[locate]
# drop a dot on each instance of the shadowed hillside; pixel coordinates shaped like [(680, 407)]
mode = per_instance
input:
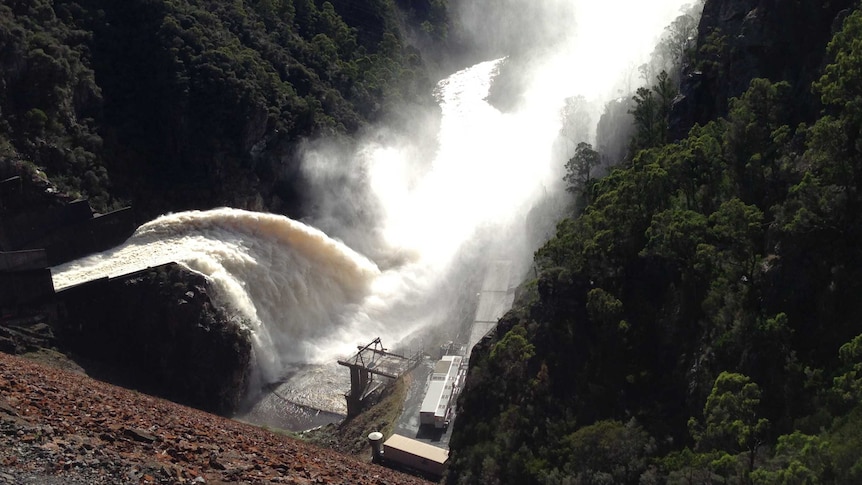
[(192, 104)]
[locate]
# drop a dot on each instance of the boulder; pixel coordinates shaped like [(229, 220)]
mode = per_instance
[(160, 332)]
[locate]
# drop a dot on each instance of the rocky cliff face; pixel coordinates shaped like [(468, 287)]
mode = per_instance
[(739, 40), (159, 331)]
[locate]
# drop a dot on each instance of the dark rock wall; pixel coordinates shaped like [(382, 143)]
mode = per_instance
[(158, 331), (740, 40), (613, 132)]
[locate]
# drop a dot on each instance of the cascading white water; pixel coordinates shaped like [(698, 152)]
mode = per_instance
[(309, 297), (291, 282)]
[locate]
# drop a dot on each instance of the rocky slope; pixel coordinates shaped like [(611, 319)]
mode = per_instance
[(60, 426)]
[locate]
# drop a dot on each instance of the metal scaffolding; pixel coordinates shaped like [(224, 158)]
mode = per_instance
[(373, 359)]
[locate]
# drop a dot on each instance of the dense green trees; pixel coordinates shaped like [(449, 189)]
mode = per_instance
[(731, 424), (579, 171), (707, 296), (195, 103), (651, 114), (49, 99)]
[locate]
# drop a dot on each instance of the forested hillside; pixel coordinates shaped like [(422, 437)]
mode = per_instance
[(699, 320), (695, 320), (170, 105)]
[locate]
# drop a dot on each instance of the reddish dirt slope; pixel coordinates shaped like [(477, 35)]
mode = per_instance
[(59, 426)]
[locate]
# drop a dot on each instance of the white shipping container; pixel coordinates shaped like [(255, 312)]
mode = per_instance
[(415, 454)]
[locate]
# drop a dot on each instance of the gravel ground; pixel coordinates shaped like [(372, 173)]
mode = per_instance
[(58, 426)]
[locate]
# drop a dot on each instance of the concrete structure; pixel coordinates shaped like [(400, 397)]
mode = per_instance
[(436, 408), (24, 278), (66, 232), (28, 230), (32, 241), (415, 455), (22, 289), (372, 360), (495, 299)]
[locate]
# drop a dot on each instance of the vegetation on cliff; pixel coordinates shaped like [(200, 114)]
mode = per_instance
[(190, 104), (698, 322)]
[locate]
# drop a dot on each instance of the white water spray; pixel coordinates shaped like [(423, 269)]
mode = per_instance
[(308, 297), (291, 283)]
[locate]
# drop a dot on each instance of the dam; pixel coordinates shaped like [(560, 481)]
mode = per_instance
[(307, 298), (440, 206)]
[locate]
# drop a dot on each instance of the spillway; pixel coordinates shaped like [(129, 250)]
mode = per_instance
[(309, 298), (292, 283)]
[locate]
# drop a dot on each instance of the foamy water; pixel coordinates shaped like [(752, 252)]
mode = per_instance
[(292, 283)]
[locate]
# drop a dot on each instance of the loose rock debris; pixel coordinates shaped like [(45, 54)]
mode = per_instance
[(62, 427)]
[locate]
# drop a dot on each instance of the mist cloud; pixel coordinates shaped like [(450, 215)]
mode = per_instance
[(425, 199)]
